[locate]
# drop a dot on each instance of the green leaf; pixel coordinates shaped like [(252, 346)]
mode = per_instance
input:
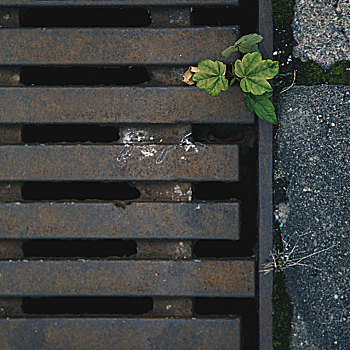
[(247, 43), (232, 81), (249, 102), (261, 106), (229, 51), (254, 72), (211, 77)]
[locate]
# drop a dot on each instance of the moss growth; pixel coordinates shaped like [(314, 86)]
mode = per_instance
[(282, 12), (339, 73), (310, 73), (307, 73), (283, 312)]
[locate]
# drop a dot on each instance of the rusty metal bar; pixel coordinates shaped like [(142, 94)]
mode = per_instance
[(114, 46), (265, 209), (129, 162), (117, 2), (121, 334), (121, 105), (205, 278), (106, 220)]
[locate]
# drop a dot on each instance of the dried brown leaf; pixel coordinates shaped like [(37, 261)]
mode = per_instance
[(187, 77)]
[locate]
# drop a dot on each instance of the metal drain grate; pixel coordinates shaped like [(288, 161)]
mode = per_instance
[(135, 211)]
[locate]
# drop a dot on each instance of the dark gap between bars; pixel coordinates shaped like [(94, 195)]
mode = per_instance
[(84, 17), (79, 191), (84, 76), (78, 133), (246, 16), (223, 133), (87, 305), (215, 15), (79, 248)]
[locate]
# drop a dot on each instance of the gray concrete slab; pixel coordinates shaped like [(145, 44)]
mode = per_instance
[(322, 31), (313, 164)]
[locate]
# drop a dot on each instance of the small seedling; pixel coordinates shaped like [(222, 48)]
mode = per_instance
[(252, 72)]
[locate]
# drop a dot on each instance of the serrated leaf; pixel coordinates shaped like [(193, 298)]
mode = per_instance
[(211, 77), (247, 43), (254, 72), (261, 106)]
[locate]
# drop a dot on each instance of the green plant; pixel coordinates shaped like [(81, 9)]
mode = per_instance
[(252, 72)]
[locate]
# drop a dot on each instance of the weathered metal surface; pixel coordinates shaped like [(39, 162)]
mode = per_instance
[(121, 105), (114, 46), (131, 163), (265, 208), (117, 2), (233, 278), (106, 220), (121, 334)]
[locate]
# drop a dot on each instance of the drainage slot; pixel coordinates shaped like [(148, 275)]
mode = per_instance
[(217, 249), (215, 16), (84, 76), (87, 305), (56, 248), (215, 190), (84, 17), (69, 133), (79, 191), (223, 133)]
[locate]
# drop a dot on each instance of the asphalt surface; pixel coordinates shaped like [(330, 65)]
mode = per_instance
[(312, 170), (322, 31)]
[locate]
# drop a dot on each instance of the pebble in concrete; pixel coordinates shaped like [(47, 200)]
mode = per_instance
[(322, 31), (313, 163)]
